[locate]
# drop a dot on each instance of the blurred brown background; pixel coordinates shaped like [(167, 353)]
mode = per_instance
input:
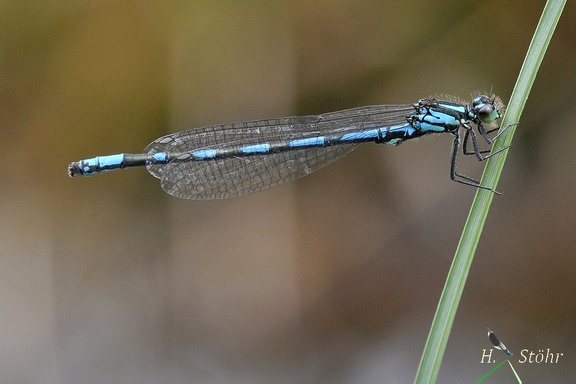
[(331, 279)]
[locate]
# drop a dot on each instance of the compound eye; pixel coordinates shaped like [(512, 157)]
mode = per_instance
[(481, 100), (485, 110)]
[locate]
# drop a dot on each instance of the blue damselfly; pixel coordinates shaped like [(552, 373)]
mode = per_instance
[(228, 160)]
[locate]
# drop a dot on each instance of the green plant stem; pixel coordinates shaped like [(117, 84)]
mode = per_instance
[(450, 298)]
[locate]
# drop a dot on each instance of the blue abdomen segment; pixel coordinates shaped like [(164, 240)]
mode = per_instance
[(104, 163), (309, 142), (204, 154), (101, 164), (361, 136), (255, 149)]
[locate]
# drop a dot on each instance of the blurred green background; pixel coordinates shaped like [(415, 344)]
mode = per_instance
[(331, 279)]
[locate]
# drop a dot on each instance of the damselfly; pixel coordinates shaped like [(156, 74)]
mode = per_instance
[(497, 343), (228, 160)]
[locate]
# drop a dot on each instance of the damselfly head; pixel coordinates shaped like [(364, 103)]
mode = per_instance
[(488, 109)]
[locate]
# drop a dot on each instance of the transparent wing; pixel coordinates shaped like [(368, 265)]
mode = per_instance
[(235, 176), (231, 177)]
